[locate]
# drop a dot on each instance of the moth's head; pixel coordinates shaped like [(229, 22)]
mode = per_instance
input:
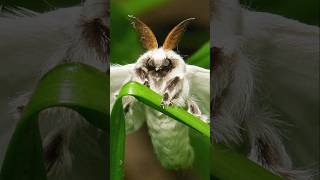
[(160, 60)]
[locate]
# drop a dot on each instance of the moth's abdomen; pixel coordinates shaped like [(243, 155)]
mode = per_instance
[(170, 140)]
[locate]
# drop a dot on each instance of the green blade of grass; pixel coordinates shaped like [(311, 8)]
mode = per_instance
[(117, 122), (226, 164), (77, 86)]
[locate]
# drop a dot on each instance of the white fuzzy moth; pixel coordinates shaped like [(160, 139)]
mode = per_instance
[(262, 61), (164, 71)]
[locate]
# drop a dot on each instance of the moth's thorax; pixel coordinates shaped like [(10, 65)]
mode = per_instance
[(161, 66)]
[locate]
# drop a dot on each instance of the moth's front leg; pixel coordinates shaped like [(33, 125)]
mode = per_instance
[(194, 109), (142, 76), (172, 90)]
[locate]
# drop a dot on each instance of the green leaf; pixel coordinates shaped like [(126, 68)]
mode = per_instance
[(117, 122), (226, 164), (73, 85)]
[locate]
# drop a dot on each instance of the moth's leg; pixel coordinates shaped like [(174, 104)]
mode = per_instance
[(133, 110), (128, 102), (267, 147), (270, 153), (134, 113), (142, 76), (194, 109), (172, 90)]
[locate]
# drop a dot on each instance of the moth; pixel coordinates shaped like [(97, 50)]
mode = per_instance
[(164, 71), (31, 44), (262, 63)]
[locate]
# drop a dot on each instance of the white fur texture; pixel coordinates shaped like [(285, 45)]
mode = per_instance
[(265, 60)]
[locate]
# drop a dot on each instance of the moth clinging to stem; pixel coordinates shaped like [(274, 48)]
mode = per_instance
[(165, 72)]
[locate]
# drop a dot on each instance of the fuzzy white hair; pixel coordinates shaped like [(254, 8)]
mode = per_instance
[(251, 46)]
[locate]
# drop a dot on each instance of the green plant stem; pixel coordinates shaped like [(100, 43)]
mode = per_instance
[(226, 164), (117, 123)]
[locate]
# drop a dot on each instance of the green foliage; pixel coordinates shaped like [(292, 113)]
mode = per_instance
[(152, 99), (225, 163), (306, 11)]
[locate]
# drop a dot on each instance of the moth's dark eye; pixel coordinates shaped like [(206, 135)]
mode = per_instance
[(166, 62), (150, 64)]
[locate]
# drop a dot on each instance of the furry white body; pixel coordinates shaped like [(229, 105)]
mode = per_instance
[(169, 137), (170, 140)]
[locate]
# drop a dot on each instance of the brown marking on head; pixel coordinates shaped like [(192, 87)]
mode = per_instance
[(147, 38), (175, 34)]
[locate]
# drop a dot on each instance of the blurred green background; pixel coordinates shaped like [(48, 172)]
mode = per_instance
[(306, 11)]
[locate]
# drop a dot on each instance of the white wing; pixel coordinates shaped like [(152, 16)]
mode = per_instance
[(199, 80), (119, 75), (289, 52), (290, 55)]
